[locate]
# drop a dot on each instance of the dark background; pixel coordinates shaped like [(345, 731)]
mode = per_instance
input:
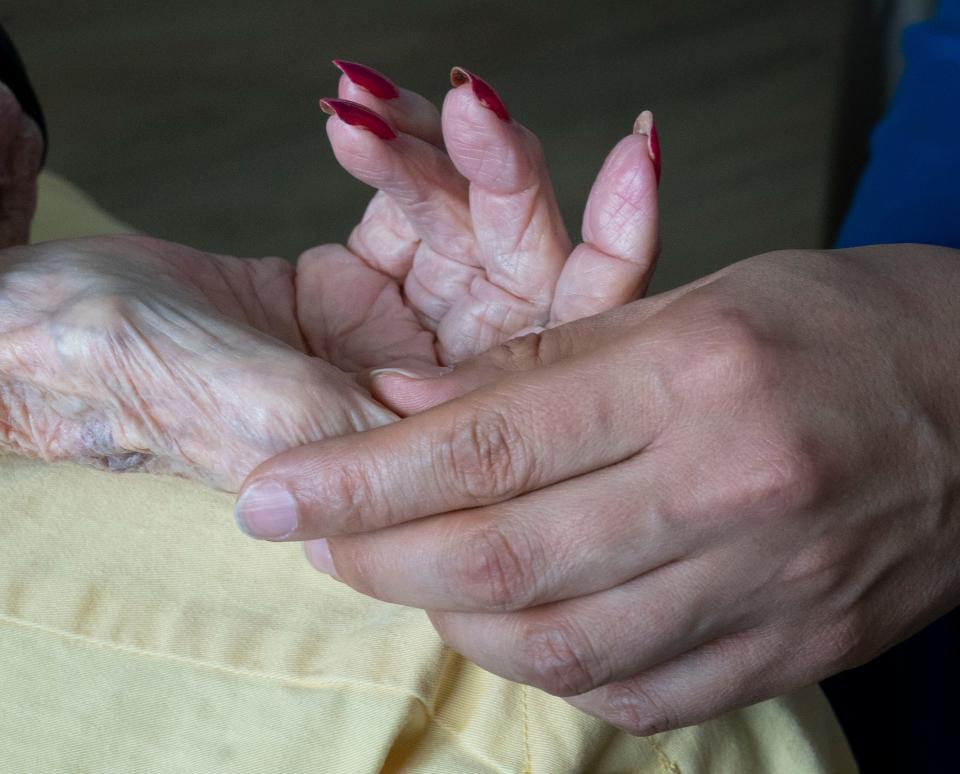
[(198, 121)]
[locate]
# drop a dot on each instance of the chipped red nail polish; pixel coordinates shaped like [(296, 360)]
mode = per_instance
[(367, 78), (482, 90), (357, 115), (644, 125)]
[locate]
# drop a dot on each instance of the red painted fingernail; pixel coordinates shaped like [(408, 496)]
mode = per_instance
[(368, 78), (482, 90), (357, 115), (645, 126)]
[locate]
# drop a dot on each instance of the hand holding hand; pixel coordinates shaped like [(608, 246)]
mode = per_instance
[(692, 503)]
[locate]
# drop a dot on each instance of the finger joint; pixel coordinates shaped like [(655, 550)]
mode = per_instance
[(560, 658), (487, 457), (498, 572)]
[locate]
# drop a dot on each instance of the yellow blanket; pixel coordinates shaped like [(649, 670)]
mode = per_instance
[(140, 631)]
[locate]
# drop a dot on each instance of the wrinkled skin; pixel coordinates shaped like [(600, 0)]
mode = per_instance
[(130, 352), (464, 245), (133, 353)]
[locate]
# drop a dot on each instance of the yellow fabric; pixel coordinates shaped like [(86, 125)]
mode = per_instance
[(64, 212), (140, 631)]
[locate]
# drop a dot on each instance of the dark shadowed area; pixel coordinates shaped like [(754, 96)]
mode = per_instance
[(198, 122)]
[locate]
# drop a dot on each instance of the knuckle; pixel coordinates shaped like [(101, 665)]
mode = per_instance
[(845, 644), (101, 332), (347, 494), (559, 658), (789, 476), (639, 710), (738, 347), (316, 254), (487, 457), (111, 313), (113, 306), (497, 572), (728, 355), (519, 354), (819, 570)]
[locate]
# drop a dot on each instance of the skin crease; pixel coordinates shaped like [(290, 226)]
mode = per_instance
[(679, 507), (131, 353)]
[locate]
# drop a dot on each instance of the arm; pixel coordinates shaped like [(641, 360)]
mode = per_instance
[(22, 146)]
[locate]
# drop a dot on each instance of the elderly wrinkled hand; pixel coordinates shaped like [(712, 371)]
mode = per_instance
[(688, 504), (464, 246), (135, 353)]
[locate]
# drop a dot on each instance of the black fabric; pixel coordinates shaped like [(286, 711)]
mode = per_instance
[(14, 76), (901, 711)]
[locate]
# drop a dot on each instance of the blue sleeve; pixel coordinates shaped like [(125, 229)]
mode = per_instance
[(910, 190)]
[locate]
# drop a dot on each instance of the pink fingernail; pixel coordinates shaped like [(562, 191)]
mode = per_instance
[(267, 510), (482, 90), (367, 78), (645, 126), (356, 114)]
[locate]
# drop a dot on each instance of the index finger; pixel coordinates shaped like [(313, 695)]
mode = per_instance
[(527, 431)]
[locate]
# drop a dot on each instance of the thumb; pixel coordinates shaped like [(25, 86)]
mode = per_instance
[(409, 391)]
